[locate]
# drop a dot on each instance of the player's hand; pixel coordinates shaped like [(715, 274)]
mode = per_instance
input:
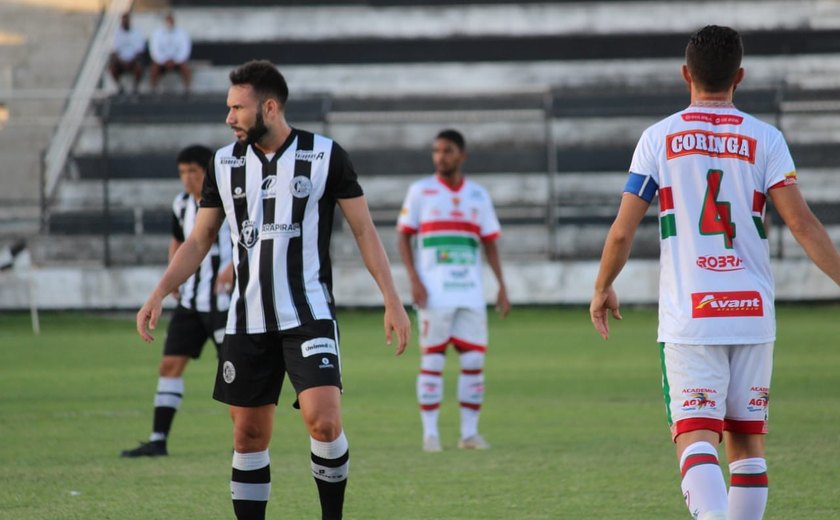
[(224, 281), (396, 321), (419, 294), (602, 301), (502, 303), (147, 317)]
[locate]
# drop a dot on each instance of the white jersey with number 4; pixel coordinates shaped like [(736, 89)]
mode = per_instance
[(450, 225), (713, 168)]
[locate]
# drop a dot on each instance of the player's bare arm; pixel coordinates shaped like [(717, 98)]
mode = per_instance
[(376, 260), (615, 255), (183, 264), (807, 230), (418, 291), (491, 251)]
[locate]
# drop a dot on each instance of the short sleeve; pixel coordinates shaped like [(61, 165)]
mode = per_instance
[(342, 181), (780, 170), (644, 171), (177, 211), (409, 220), (210, 197), (490, 227), (177, 230)]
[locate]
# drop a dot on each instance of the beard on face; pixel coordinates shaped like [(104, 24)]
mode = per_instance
[(256, 132)]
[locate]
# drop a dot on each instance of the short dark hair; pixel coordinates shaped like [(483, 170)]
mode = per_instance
[(453, 135), (264, 77), (713, 56), (197, 154)]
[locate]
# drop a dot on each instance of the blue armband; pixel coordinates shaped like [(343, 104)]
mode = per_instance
[(643, 186)]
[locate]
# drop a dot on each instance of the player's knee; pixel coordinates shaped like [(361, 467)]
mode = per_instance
[(325, 429), (250, 437), (433, 362), (472, 360)]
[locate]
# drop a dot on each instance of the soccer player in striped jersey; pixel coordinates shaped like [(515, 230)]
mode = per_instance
[(450, 217), (713, 167), (277, 188), (203, 302)]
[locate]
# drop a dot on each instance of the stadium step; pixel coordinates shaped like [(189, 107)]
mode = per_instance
[(416, 161), (579, 47)]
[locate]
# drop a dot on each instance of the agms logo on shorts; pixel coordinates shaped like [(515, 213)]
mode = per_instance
[(698, 398), (726, 304)]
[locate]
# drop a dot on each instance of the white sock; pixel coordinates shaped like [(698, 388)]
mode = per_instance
[(703, 486), (430, 392), (471, 391), (748, 489)]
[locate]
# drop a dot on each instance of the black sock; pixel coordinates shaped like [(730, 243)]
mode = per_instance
[(330, 464), (162, 422), (250, 485)]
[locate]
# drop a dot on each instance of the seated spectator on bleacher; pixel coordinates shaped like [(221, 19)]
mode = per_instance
[(170, 48), (127, 52)]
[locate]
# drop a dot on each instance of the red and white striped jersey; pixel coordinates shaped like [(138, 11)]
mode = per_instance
[(450, 224), (713, 168)]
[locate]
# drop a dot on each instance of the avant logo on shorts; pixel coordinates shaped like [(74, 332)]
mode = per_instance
[(726, 304), (318, 347), (228, 372)]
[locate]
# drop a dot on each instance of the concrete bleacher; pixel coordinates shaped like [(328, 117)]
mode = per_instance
[(533, 85)]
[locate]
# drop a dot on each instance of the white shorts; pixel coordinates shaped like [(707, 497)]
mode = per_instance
[(465, 328), (717, 387)]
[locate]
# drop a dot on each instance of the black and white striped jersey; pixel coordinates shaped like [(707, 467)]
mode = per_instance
[(280, 209), (197, 291)]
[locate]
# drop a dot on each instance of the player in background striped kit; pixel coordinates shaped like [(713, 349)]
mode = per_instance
[(451, 218), (203, 302), (713, 167)]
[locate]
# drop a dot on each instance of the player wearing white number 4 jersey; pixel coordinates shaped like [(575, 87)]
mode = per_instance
[(713, 167), (450, 218)]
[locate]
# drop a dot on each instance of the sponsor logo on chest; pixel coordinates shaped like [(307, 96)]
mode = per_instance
[(726, 304), (720, 263), (701, 142)]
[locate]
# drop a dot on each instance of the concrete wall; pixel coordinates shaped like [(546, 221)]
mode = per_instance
[(531, 283)]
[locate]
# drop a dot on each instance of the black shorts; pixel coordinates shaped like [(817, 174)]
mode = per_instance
[(189, 330), (251, 366)]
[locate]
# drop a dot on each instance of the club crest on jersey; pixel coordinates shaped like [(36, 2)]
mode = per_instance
[(269, 187), (233, 162), (300, 187), (248, 235), (228, 372)]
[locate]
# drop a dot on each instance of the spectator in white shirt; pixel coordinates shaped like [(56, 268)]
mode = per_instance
[(170, 48), (127, 52)]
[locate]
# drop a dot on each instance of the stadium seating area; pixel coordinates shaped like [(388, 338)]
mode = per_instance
[(551, 96)]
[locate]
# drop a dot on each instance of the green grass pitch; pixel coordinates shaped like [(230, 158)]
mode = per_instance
[(577, 426)]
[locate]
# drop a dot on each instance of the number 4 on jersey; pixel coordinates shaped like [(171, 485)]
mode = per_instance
[(716, 218)]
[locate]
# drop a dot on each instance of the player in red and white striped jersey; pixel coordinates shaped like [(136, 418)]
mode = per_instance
[(451, 218), (713, 167)]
